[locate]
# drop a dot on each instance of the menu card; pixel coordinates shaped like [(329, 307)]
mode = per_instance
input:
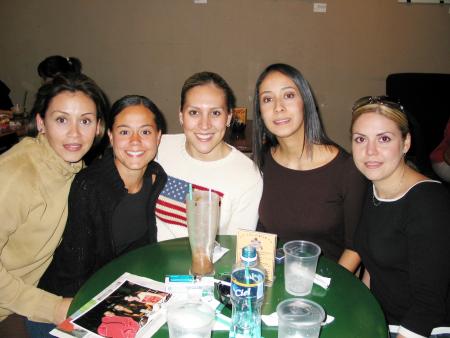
[(265, 245)]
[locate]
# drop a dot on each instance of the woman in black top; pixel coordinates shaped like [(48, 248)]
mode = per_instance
[(312, 189), (112, 202), (403, 236)]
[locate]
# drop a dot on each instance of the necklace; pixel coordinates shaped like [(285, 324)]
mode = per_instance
[(376, 202)]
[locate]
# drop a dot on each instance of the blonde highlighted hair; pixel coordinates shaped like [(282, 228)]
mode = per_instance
[(383, 106)]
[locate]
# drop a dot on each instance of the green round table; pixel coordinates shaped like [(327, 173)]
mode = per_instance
[(357, 313)]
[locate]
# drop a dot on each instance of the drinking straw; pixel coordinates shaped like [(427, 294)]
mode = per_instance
[(247, 280), (209, 210), (190, 191)]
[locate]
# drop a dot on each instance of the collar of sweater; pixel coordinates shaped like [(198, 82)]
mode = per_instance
[(55, 162), (107, 172)]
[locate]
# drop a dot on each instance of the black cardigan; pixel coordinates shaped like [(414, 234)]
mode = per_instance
[(87, 241)]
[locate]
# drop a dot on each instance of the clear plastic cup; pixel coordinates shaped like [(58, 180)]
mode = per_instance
[(203, 216), (300, 318), (190, 319), (300, 263)]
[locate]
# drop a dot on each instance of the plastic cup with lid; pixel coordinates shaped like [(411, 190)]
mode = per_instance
[(299, 318)]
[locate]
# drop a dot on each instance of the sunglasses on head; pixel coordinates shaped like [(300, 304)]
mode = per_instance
[(382, 100)]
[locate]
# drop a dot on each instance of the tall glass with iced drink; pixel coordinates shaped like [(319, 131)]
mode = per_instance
[(203, 215)]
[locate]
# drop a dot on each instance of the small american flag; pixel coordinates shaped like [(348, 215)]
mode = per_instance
[(171, 204)]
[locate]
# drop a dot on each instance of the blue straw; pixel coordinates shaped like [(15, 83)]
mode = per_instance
[(247, 280)]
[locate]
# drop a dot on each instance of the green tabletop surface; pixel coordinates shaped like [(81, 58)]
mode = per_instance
[(357, 314)]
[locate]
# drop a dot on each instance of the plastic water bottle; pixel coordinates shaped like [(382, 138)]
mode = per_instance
[(247, 295)]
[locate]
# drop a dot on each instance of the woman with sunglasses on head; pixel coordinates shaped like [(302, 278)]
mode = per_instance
[(36, 175), (404, 229), (111, 202), (312, 190), (201, 158)]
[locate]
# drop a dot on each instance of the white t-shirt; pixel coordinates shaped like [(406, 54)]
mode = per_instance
[(235, 178)]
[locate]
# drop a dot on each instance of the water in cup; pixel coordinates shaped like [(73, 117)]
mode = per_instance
[(300, 266), (299, 318), (190, 319), (298, 279)]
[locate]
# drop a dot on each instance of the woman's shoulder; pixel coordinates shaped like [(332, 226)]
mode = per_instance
[(25, 147), (427, 203), (26, 155), (335, 159), (344, 161), (428, 191), (171, 150), (241, 162), (172, 140), (154, 169), (428, 198), (100, 170)]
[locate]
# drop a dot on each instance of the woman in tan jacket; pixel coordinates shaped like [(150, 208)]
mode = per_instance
[(35, 176)]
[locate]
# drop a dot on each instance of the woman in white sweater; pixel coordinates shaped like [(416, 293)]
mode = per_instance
[(201, 157)]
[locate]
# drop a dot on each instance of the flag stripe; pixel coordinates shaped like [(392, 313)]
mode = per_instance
[(165, 202), (171, 204), (165, 213)]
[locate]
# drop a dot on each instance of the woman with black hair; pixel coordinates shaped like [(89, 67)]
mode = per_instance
[(36, 175), (312, 189), (56, 65)]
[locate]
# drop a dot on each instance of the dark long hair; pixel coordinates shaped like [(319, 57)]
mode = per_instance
[(263, 139)]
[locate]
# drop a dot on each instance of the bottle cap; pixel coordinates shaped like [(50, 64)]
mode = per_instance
[(248, 253)]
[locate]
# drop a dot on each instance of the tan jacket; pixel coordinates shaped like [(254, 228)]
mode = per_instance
[(34, 185)]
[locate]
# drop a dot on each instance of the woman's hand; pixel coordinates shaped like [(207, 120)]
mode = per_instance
[(61, 310)]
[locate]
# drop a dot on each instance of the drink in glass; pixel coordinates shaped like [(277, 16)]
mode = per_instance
[(300, 264), (190, 319), (203, 215)]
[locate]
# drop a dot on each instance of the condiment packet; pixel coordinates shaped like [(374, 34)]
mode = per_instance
[(218, 252), (322, 281), (272, 319)]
